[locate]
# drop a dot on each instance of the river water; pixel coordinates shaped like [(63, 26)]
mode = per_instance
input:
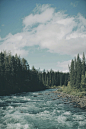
[(39, 110)]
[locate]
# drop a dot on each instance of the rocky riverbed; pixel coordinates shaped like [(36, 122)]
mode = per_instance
[(74, 100)]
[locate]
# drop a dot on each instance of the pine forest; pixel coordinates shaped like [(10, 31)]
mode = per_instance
[(16, 75)]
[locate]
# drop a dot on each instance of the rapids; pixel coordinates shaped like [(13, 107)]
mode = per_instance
[(39, 110)]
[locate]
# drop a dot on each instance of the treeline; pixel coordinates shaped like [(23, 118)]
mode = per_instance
[(51, 78), (78, 73), (16, 76)]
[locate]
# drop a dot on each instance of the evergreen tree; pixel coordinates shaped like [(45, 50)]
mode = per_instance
[(47, 78), (83, 65), (78, 77), (72, 72), (83, 81), (51, 80), (2, 69), (58, 78), (15, 76), (66, 79), (75, 71), (44, 77), (61, 79)]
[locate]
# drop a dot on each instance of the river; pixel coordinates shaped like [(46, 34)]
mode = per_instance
[(39, 110)]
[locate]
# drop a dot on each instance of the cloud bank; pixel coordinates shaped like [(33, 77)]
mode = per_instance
[(56, 31)]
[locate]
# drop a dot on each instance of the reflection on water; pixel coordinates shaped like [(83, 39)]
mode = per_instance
[(39, 110)]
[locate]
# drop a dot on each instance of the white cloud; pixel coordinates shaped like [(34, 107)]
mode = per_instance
[(45, 16), (55, 31), (63, 66), (13, 43)]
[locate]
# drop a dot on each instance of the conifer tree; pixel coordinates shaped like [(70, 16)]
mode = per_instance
[(58, 78), (75, 71), (72, 72), (83, 81), (2, 71), (83, 65), (43, 76), (78, 77), (61, 79)]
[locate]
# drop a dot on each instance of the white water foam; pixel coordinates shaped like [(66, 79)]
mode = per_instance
[(19, 126), (78, 117), (82, 123), (67, 113), (63, 121), (29, 112)]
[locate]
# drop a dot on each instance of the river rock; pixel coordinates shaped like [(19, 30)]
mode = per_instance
[(40, 94), (35, 95), (75, 100)]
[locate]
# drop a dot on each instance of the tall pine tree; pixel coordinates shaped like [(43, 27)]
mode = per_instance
[(78, 77), (83, 65), (72, 72)]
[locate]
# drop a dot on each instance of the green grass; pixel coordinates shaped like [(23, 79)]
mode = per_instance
[(72, 91)]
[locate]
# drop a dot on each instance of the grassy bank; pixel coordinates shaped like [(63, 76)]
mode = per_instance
[(72, 91)]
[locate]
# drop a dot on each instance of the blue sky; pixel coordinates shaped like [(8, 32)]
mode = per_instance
[(48, 33)]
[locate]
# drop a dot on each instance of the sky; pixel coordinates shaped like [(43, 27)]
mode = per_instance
[(47, 33)]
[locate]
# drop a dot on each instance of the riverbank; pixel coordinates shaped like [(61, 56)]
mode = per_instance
[(76, 101)]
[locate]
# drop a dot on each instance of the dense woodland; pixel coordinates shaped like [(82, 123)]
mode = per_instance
[(16, 76), (78, 73)]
